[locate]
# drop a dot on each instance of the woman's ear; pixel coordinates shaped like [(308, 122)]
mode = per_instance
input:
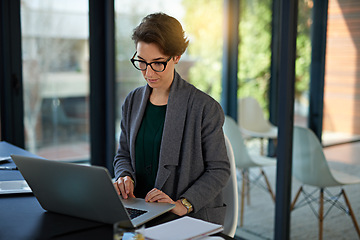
[(176, 59)]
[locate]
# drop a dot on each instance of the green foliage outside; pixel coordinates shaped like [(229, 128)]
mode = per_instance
[(204, 24), (255, 49), (303, 46)]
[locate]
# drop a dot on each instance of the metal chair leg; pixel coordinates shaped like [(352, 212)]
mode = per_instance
[(321, 213)]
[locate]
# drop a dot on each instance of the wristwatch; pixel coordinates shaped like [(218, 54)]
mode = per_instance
[(186, 204)]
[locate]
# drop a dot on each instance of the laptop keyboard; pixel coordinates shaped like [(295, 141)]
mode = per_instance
[(135, 212)]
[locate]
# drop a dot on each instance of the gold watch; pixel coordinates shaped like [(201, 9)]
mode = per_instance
[(186, 204)]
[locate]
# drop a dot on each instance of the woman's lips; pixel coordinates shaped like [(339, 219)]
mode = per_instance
[(152, 80)]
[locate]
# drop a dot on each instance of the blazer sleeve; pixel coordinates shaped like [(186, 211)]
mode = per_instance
[(209, 185), (122, 160)]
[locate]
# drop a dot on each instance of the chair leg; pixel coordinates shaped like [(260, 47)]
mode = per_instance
[(351, 212), (247, 177), (242, 198), (268, 185), (321, 213), (296, 198), (321, 210)]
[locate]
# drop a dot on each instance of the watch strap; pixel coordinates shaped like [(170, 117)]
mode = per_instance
[(187, 204)]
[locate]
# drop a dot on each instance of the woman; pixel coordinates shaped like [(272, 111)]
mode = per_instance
[(171, 146)]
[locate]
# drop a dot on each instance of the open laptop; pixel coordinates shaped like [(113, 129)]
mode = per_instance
[(85, 192)]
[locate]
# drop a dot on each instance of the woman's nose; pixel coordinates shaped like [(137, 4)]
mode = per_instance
[(149, 71)]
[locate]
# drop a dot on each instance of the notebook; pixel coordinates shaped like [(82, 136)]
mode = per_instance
[(84, 191), (174, 230)]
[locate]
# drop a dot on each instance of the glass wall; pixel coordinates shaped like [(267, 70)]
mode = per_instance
[(254, 75), (303, 61), (201, 63), (255, 49), (55, 76), (255, 54)]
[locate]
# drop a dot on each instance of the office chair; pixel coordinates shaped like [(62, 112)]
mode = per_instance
[(253, 123), (244, 161), (311, 168), (231, 195)]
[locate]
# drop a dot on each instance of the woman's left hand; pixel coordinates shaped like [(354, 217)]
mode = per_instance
[(156, 195)]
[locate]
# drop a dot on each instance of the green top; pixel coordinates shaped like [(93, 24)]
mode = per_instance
[(147, 148)]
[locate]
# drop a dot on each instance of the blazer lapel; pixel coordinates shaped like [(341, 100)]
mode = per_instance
[(137, 119), (173, 128)]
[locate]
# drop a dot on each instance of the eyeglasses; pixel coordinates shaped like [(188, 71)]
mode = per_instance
[(156, 66)]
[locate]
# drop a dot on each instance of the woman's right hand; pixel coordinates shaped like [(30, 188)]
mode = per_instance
[(125, 186)]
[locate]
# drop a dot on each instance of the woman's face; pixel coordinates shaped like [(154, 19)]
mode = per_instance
[(150, 52)]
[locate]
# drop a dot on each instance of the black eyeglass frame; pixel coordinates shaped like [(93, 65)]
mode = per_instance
[(149, 64)]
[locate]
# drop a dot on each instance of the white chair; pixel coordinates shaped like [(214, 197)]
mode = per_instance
[(231, 195), (310, 167), (244, 161), (252, 121)]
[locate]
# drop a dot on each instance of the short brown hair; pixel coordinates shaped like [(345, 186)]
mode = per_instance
[(163, 30)]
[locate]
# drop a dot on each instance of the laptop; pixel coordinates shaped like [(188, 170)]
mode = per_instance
[(84, 191)]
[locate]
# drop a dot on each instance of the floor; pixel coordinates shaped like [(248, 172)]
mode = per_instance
[(259, 215)]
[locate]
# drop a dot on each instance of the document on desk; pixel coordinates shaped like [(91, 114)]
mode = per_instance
[(5, 159), (185, 228), (12, 187)]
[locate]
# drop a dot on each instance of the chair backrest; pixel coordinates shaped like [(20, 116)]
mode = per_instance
[(251, 115), (309, 162), (241, 154), (230, 194)]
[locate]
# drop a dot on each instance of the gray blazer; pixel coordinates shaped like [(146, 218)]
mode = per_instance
[(193, 161)]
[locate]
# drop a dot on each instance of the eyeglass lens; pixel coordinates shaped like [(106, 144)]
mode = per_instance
[(156, 66)]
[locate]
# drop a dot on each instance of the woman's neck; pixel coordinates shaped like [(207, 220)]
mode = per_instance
[(159, 97)]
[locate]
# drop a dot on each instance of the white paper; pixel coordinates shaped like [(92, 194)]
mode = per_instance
[(185, 228), (5, 159)]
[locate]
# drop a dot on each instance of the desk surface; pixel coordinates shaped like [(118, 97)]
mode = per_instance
[(22, 217)]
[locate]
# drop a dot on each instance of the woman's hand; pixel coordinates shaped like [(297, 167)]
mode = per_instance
[(125, 186), (156, 195)]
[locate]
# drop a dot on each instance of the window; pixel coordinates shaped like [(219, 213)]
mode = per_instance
[(55, 77)]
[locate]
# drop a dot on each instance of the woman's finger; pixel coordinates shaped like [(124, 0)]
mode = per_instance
[(121, 186), (156, 195), (151, 194), (130, 186), (125, 187)]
